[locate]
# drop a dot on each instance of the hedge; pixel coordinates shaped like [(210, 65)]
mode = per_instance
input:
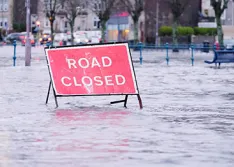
[(186, 31), (205, 31), (183, 31), (165, 31)]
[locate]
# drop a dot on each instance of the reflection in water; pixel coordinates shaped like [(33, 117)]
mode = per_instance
[(91, 119), (89, 115), (4, 149)]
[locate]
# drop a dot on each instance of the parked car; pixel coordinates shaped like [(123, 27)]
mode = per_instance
[(94, 39), (46, 38), (14, 36), (32, 40), (81, 38), (228, 44)]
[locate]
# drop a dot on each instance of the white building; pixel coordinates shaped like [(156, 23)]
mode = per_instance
[(227, 18), (6, 14), (87, 21), (228, 14)]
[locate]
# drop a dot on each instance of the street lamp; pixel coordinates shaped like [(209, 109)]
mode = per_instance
[(232, 12), (38, 29), (157, 24), (28, 42), (38, 23), (118, 27)]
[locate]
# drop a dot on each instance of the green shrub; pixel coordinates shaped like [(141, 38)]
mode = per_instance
[(205, 31), (185, 31), (165, 31), (212, 31), (181, 31)]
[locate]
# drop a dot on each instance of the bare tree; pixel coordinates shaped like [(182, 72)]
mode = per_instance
[(177, 8), (72, 9), (219, 6), (102, 8), (135, 8), (52, 7)]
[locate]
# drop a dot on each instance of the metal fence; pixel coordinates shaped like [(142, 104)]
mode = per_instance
[(168, 48)]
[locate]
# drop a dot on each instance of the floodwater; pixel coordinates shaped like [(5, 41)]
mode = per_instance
[(187, 119)]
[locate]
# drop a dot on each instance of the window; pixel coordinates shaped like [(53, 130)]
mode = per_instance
[(96, 22), (1, 7), (46, 23), (5, 7), (65, 24)]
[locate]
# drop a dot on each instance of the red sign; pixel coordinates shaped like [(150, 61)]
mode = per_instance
[(92, 70)]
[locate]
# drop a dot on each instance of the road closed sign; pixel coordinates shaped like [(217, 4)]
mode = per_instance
[(102, 69)]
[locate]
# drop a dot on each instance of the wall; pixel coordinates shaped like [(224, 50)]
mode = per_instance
[(19, 10), (230, 14), (189, 17), (228, 31)]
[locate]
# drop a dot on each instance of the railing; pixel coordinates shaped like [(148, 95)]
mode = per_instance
[(166, 47), (175, 48)]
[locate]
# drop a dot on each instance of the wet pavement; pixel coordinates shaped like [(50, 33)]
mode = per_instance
[(187, 120)]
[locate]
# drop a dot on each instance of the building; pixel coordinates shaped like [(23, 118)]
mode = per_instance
[(87, 20), (120, 27), (227, 18), (18, 13), (158, 13), (119, 23), (6, 14)]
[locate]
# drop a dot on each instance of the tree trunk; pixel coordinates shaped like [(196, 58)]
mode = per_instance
[(136, 31), (52, 31), (219, 31), (174, 31), (72, 31), (103, 27)]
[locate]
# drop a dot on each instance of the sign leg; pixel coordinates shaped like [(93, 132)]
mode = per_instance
[(121, 101), (140, 101), (55, 98), (48, 94), (125, 101)]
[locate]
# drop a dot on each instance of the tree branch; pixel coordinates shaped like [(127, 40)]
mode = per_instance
[(225, 5)]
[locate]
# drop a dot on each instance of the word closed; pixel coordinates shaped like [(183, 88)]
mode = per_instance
[(92, 70)]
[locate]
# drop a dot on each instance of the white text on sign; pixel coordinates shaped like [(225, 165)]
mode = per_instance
[(85, 63)]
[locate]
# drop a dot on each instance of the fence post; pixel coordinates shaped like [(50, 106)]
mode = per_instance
[(141, 58), (214, 47), (192, 57), (14, 56), (167, 57)]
